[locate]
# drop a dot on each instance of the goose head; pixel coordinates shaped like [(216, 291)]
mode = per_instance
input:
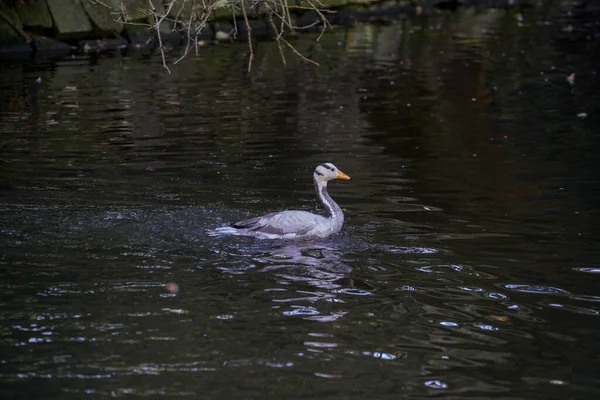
[(327, 172)]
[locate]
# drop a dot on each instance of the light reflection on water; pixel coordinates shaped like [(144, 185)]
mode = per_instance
[(465, 266)]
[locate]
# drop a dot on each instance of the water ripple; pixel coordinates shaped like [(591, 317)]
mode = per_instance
[(589, 270), (537, 289)]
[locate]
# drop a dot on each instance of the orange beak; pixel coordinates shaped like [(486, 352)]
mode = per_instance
[(342, 176)]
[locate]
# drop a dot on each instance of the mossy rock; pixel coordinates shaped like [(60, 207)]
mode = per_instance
[(138, 34), (34, 14), (227, 9), (143, 34), (104, 17), (183, 10), (139, 10), (108, 13), (70, 18), (223, 10)]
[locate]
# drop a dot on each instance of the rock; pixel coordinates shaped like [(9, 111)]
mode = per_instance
[(70, 18), (260, 28), (104, 17), (139, 10), (138, 34), (182, 10), (168, 35), (43, 44), (223, 11), (34, 14), (141, 35), (99, 45)]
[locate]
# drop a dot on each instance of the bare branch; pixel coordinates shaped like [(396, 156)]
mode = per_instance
[(249, 29), (278, 13), (277, 40), (323, 18), (158, 34), (298, 53)]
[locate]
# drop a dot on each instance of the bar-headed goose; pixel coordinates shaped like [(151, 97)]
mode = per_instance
[(297, 224)]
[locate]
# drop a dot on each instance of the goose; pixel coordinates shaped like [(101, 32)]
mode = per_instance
[(292, 224)]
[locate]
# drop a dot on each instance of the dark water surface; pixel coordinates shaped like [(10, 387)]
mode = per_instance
[(468, 266)]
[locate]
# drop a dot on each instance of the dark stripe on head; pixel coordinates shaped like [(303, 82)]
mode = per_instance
[(318, 173), (327, 166)]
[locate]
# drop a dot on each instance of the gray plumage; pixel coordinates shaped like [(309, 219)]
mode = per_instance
[(297, 224)]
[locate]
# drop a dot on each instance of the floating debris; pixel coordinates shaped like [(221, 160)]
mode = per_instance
[(172, 287), (571, 78)]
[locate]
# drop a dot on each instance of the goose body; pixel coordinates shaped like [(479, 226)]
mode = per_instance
[(293, 224)]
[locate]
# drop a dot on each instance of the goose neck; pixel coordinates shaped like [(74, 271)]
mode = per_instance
[(332, 210)]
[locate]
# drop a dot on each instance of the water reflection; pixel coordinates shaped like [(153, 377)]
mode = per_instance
[(297, 267), (316, 265)]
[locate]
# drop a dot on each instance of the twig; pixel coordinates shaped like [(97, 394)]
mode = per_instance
[(273, 11), (189, 36), (235, 28), (325, 20), (323, 10), (202, 24), (124, 10), (179, 13), (298, 53), (283, 20), (157, 28), (251, 57), (277, 40), (307, 26)]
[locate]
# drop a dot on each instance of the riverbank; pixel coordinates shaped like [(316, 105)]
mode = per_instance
[(57, 27)]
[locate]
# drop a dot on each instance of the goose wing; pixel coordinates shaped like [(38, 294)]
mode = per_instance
[(281, 223)]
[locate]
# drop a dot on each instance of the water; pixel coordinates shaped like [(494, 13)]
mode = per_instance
[(467, 267)]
